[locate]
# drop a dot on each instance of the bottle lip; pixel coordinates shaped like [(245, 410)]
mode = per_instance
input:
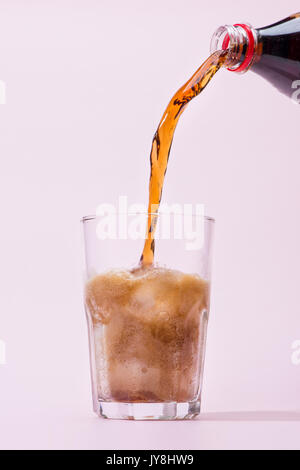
[(250, 49), (233, 38)]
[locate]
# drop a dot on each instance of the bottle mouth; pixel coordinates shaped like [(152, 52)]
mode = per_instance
[(239, 41)]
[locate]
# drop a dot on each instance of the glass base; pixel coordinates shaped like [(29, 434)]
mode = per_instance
[(148, 411)]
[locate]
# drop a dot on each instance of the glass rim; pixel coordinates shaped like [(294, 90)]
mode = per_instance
[(87, 218)]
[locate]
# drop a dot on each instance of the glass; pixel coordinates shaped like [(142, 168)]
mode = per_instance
[(147, 326)]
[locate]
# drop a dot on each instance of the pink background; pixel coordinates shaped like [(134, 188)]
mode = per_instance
[(70, 67)]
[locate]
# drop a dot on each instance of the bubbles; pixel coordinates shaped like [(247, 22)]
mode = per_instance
[(152, 333)]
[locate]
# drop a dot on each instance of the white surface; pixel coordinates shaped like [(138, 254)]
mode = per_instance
[(73, 429)]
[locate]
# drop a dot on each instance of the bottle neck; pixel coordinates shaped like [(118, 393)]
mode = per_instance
[(240, 42)]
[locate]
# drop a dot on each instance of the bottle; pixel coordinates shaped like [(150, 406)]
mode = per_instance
[(272, 52)]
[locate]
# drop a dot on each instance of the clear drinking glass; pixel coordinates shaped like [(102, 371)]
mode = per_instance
[(147, 327)]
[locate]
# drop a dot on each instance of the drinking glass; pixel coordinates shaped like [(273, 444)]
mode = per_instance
[(147, 326)]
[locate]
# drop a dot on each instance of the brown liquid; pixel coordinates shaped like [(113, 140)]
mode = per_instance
[(162, 142), (278, 54), (149, 330)]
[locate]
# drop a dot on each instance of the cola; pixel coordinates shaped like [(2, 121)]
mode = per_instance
[(273, 52)]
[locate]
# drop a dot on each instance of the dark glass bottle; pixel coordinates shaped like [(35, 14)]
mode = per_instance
[(272, 52)]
